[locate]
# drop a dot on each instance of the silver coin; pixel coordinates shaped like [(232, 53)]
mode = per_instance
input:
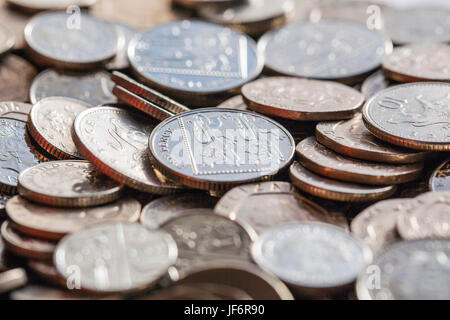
[(327, 50), (215, 149), (12, 279), (62, 40), (440, 179), (410, 270), (236, 102), (7, 39), (116, 257), (374, 84), (94, 88), (124, 35), (311, 255)]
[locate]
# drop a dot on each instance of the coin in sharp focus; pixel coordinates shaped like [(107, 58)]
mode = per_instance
[(269, 204), (351, 138), (53, 223), (311, 257), (15, 153), (410, 270), (124, 35), (412, 115), (161, 210), (236, 102), (302, 99), (252, 148), (12, 279), (115, 141), (197, 61), (68, 183), (16, 75), (254, 17), (94, 88), (25, 246), (102, 254), (336, 190), (326, 162), (7, 39), (419, 62), (54, 40), (14, 109), (418, 25), (374, 84), (34, 6), (316, 50), (440, 178)]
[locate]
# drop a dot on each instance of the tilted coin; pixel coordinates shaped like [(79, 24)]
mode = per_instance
[(199, 3), (56, 39), (33, 5), (15, 153), (411, 115), (316, 50), (94, 87), (50, 124), (12, 279), (17, 110), (336, 190), (115, 141), (16, 75), (374, 84), (269, 204), (161, 210), (54, 223), (47, 272), (409, 270), (7, 39), (351, 138), (311, 257), (419, 62), (236, 102), (68, 183), (440, 179), (124, 35), (15, 22), (216, 149), (301, 99), (325, 162), (116, 257)]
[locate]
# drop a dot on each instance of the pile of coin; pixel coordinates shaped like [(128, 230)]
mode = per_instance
[(263, 150)]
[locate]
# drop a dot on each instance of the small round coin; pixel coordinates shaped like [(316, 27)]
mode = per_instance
[(7, 39), (16, 110), (116, 257), (16, 75), (440, 179)]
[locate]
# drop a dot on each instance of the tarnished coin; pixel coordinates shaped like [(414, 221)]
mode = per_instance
[(325, 162), (161, 210), (374, 84), (94, 88), (419, 62), (440, 179), (56, 39), (411, 115), (40, 5), (124, 35), (203, 237), (319, 51), (115, 141), (25, 246), (16, 75), (269, 204), (236, 102), (16, 110), (54, 223), (311, 257), (7, 39), (351, 138), (12, 279), (47, 272), (220, 148), (196, 58), (336, 190), (409, 270), (116, 257), (15, 153), (301, 99), (67, 183), (50, 124)]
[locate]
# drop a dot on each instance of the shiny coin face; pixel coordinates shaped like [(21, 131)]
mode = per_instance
[(54, 223), (161, 210), (269, 204), (50, 124), (351, 138), (440, 179), (215, 149), (124, 35), (7, 39), (16, 75), (102, 255), (410, 270), (311, 255), (16, 110), (301, 99), (316, 50), (374, 84), (195, 57), (411, 115), (325, 162), (336, 190), (115, 141), (67, 183), (236, 102), (56, 40), (94, 88)]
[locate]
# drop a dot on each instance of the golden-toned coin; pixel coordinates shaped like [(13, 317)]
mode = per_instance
[(12, 279), (325, 162), (336, 190), (440, 178)]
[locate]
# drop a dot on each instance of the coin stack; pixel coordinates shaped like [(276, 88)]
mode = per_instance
[(269, 150)]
